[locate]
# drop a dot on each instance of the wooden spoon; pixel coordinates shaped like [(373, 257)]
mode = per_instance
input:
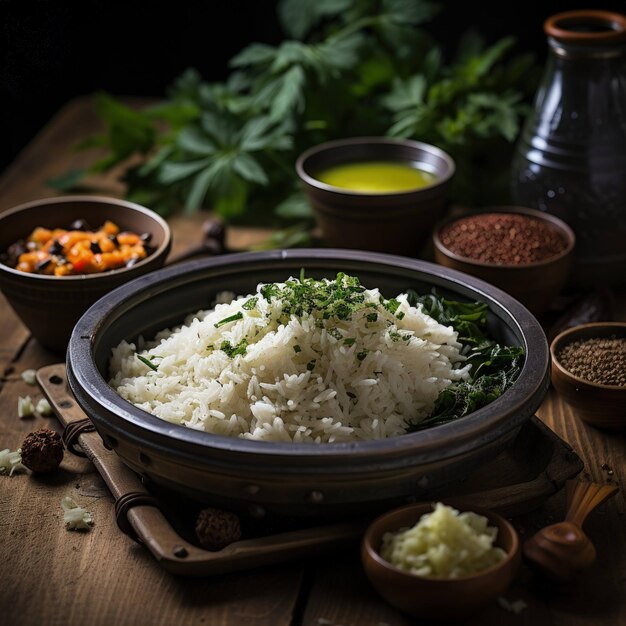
[(561, 550)]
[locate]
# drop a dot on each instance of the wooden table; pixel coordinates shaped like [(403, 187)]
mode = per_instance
[(52, 576)]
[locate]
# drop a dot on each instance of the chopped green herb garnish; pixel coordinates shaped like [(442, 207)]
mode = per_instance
[(349, 341), (269, 291), (147, 362), (233, 351), (232, 318), (249, 304), (297, 349), (361, 355), (310, 365), (391, 305), (371, 317), (400, 315), (301, 274)]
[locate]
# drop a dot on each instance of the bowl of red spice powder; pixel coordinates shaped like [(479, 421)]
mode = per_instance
[(589, 372), (523, 251)]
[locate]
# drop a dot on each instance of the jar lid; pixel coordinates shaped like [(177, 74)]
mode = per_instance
[(587, 27)]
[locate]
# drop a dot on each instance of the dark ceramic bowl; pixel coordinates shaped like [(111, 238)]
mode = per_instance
[(438, 598), (535, 285), (303, 479), (602, 406), (391, 222), (49, 306)]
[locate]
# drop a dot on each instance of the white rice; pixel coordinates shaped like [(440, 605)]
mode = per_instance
[(299, 380)]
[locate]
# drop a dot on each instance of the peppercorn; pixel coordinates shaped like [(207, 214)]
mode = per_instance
[(216, 529), (503, 238), (42, 450), (598, 360)]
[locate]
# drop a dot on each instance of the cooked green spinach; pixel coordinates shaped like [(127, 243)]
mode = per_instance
[(494, 367)]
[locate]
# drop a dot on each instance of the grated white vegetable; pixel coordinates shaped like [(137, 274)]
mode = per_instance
[(75, 516), (11, 461), (444, 544), (30, 376), (43, 407), (25, 407)]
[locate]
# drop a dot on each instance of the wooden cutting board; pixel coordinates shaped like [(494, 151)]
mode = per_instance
[(533, 468)]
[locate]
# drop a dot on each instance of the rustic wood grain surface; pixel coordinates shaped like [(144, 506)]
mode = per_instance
[(52, 576)]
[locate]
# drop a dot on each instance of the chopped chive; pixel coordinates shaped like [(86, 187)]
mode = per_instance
[(249, 304), (232, 318), (392, 305), (361, 355), (147, 362), (301, 274), (233, 351), (372, 317), (297, 349), (400, 315), (349, 341)]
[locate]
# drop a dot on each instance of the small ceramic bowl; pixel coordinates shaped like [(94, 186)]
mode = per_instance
[(602, 406), (392, 222), (534, 284), (49, 306), (438, 598)]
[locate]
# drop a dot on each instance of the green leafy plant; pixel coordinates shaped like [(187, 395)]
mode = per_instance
[(494, 367), (346, 67)]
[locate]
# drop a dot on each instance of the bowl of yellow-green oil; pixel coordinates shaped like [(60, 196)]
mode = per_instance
[(376, 193)]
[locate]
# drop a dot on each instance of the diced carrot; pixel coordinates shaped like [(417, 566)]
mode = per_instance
[(40, 235), (110, 228)]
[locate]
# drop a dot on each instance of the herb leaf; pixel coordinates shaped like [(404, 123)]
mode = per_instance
[(147, 362), (494, 367)]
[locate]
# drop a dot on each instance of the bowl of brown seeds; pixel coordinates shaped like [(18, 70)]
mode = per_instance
[(523, 251), (589, 372)]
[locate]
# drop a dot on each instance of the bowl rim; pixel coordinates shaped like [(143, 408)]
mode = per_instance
[(374, 554), (90, 386), (572, 333), (102, 200), (373, 140), (555, 221)]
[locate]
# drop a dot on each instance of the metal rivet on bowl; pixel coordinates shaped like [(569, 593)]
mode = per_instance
[(315, 497), (144, 459), (55, 380), (252, 489), (423, 482), (180, 552), (256, 511), (65, 404)]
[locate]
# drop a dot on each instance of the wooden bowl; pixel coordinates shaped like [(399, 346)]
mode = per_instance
[(534, 284), (50, 306), (339, 479), (602, 406), (391, 222), (438, 598)]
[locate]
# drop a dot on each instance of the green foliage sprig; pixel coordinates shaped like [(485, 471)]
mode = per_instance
[(495, 367), (346, 67)]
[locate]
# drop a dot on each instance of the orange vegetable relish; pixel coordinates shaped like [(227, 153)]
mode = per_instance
[(60, 252)]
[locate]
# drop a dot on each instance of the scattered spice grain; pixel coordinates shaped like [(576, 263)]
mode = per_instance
[(599, 360), (503, 238)]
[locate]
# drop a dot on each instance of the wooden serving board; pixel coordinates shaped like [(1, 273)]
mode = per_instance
[(533, 468)]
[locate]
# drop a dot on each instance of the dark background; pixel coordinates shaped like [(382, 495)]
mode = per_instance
[(51, 52)]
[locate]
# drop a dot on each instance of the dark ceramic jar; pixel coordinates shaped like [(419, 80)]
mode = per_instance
[(570, 158)]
